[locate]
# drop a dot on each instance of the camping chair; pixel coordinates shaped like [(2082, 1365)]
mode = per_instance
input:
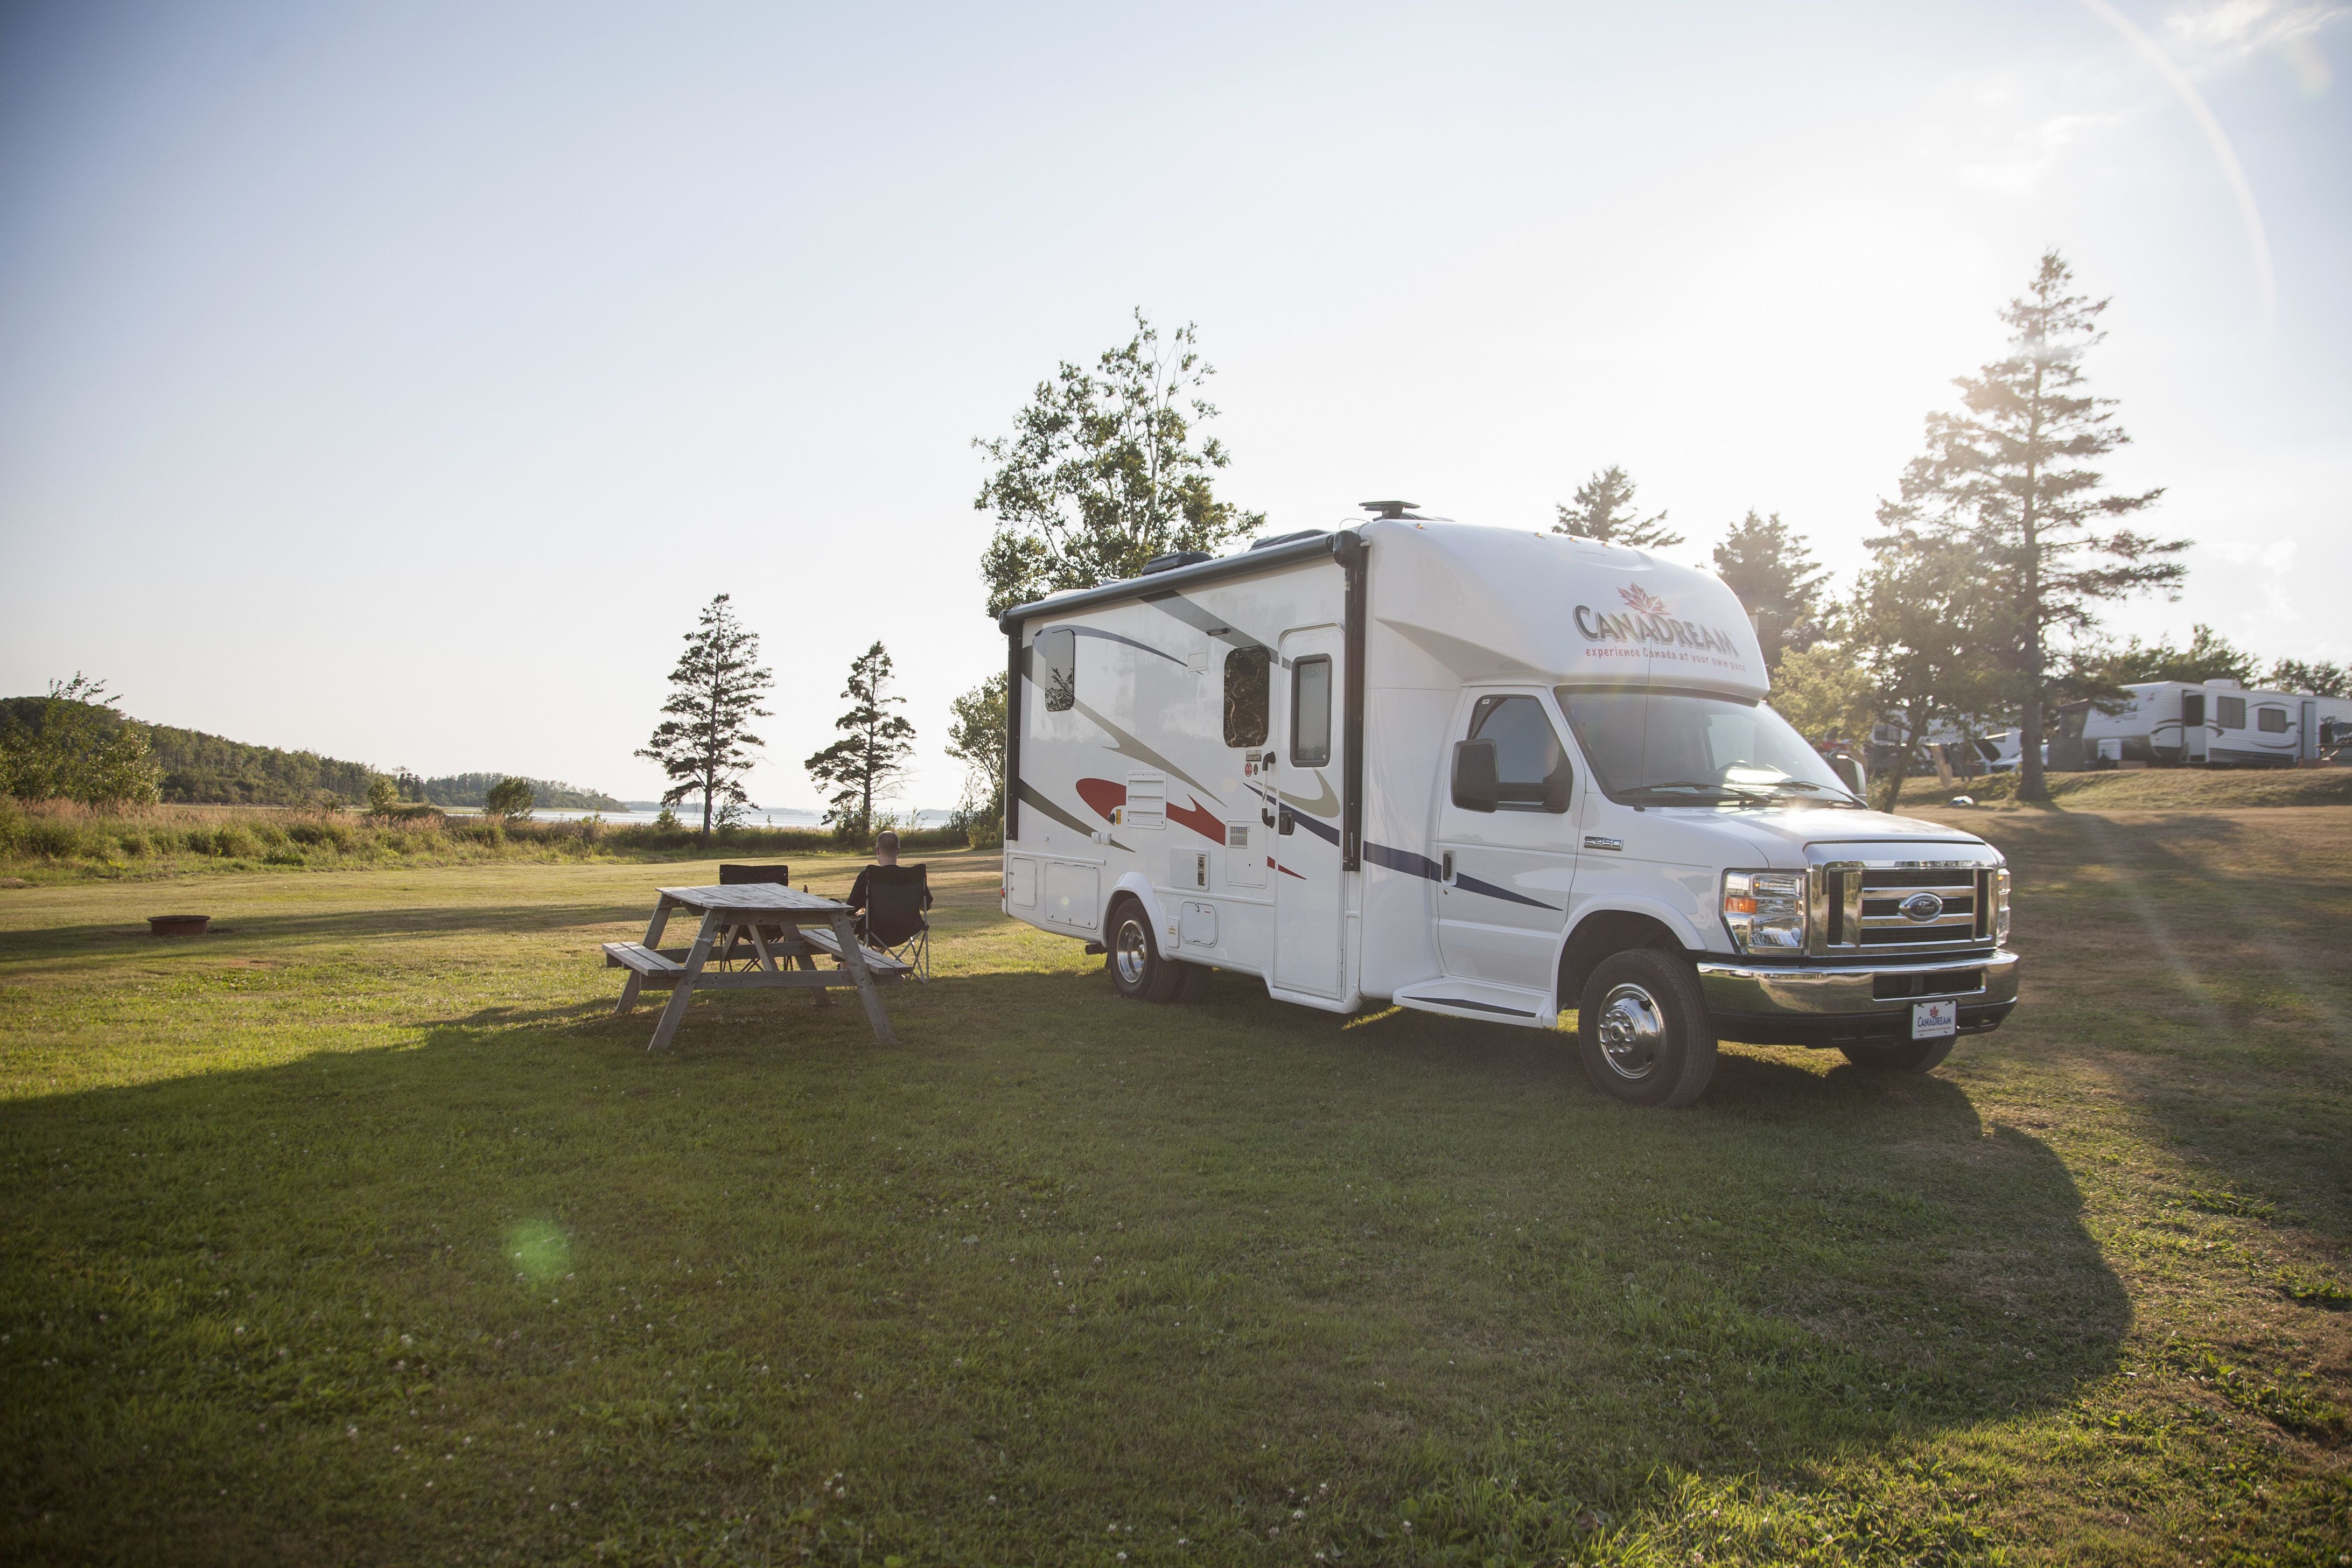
[(732, 873), (893, 918)]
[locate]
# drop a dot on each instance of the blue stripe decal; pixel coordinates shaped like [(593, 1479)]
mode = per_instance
[(1414, 865), (1472, 885), (1404, 861), (1323, 830)]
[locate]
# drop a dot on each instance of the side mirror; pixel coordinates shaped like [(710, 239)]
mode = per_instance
[(1555, 787), (1475, 785)]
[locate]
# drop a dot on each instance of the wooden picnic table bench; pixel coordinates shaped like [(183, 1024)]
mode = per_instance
[(763, 936)]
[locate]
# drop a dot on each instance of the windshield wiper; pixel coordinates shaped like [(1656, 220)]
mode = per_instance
[(1811, 788), (1688, 786)]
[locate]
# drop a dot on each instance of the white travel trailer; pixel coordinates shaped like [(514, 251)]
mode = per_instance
[(2212, 722), (1483, 773)]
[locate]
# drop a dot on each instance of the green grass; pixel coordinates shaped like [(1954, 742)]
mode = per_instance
[(361, 1231), (2145, 789), (60, 841)]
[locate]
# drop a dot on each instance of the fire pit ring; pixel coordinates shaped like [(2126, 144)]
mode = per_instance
[(178, 925)]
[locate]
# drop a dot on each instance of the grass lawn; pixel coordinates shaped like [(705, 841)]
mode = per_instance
[(361, 1231)]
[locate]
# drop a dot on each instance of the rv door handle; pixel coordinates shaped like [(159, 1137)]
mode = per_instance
[(1286, 823)]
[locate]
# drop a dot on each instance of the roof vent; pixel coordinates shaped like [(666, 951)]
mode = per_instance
[(1392, 510), (1175, 558), (1289, 538)]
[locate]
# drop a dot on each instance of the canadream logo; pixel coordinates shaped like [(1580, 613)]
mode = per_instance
[(1645, 619)]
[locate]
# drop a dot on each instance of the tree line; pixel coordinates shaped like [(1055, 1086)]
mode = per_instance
[(1979, 608)]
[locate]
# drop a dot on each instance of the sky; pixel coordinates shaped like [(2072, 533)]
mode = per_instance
[(398, 382)]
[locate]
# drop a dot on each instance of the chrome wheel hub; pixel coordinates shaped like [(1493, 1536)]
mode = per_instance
[(1632, 1031), (1130, 953)]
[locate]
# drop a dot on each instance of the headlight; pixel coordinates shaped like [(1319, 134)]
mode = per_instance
[(1765, 909), (2000, 905)]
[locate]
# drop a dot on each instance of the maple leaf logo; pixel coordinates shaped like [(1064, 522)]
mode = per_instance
[(1641, 599)]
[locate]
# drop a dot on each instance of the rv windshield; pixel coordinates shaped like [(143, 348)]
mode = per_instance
[(1648, 747)]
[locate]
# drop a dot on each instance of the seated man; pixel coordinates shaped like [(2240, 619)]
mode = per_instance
[(886, 854)]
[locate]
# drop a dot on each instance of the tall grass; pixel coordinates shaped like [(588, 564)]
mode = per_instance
[(44, 840)]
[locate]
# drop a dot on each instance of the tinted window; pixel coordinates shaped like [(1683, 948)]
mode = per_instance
[(1057, 668), (2271, 720), (1249, 696), (2230, 712), (1310, 712), (1527, 751)]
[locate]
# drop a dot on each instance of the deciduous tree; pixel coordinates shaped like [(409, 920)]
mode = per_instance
[(1103, 472), (1604, 509), (865, 765), (2008, 477), (1918, 626), (976, 739), (82, 748), (2318, 678), (705, 743)]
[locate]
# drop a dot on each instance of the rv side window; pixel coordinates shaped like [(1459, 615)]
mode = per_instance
[(1528, 752), (1310, 712), (1057, 668), (2230, 712), (2271, 720), (1249, 696)]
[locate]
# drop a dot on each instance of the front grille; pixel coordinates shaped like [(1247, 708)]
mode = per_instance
[(1862, 909)]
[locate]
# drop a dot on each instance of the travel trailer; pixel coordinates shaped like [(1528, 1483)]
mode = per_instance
[(2213, 723), (1488, 773)]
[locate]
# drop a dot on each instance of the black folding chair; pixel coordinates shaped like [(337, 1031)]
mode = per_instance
[(738, 948), (892, 921)]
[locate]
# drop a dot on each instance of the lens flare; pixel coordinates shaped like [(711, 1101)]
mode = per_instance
[(539, 1250)]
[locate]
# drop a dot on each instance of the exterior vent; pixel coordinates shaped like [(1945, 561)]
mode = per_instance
[(1174, 559), (1289, 538)]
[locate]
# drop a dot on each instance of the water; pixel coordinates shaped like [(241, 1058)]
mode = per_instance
[(753, 816)]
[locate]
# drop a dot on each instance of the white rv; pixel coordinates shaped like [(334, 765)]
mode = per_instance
[(1483, 773), (2212, 722)]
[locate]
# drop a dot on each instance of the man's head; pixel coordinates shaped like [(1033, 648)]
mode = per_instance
[(886, 847)]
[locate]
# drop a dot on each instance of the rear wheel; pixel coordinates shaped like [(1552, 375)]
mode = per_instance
[(1643, 1031), (1898, 1056), (1137, 970)]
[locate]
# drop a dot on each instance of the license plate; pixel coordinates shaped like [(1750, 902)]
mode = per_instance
[(1934, 1020)]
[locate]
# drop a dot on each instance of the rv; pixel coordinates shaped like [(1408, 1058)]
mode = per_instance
[(2213, 723), (1486, 773)]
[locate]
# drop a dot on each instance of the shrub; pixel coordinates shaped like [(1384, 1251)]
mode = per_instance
[(134, 843), (53, 837), (285, 855), (233, 843)]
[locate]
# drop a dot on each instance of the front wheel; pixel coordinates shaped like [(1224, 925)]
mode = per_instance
[(1644, 1030), (1138, 972), (1898, 1056)]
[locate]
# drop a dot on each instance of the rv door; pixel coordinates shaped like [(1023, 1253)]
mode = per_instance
[(2193, 737), (1310, 898)]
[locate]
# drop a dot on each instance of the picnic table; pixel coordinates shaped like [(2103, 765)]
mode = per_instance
[(760, 936)]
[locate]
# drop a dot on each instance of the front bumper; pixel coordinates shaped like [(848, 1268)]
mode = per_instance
[(1825, 1004)]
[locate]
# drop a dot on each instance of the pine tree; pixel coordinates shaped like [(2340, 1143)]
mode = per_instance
[(705, 744), (1604, 510), (2006, 478), (867, 762), (1767, 564)]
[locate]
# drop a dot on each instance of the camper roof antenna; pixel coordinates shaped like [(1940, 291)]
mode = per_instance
[(1389, 510)]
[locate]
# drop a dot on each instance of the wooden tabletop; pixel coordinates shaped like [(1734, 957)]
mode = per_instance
[(763, 897)]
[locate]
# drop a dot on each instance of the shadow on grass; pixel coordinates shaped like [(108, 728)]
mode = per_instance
[(1389, 1252), (231, 933)]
